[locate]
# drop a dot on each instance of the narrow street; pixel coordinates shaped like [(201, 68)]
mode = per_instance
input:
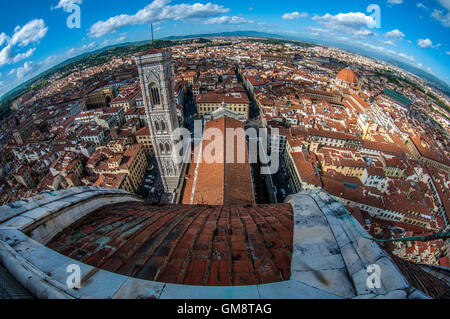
[(262, 196), (281, 182), (189, 111)]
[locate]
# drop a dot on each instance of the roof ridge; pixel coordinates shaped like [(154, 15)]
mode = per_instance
[(224, 158)]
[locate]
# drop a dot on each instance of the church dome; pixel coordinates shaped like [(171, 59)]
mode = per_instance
[(348, 76)]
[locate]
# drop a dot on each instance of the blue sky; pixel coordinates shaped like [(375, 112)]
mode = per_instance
[(34, 34)]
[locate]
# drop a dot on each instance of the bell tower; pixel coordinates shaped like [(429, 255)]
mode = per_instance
[(155, 73)]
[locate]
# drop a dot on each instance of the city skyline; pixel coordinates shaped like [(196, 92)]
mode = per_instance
[(297, 176), (32, 43)]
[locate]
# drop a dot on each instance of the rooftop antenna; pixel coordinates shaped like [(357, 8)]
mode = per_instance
[(152, 37)]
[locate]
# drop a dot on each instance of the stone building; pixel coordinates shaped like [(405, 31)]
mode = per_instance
[(155, 73)]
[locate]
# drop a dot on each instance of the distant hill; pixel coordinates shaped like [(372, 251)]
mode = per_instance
[(254, 34), (57, 68), (17, 91), (434, 81)]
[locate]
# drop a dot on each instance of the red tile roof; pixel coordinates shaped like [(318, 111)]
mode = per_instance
[(145, 131), (421, 279), (229, 98), (216, 182), (347, 75), (183, 244)]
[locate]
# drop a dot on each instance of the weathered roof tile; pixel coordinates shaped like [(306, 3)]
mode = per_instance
[(182, 244)]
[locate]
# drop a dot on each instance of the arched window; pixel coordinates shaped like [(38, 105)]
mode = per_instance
[(180, 142), (157, 128), (161, 148), (154, 94), (168, 148), (163, 126)]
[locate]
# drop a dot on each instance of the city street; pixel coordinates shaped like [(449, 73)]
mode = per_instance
[(158, 195), (189, 112), (281, 182)]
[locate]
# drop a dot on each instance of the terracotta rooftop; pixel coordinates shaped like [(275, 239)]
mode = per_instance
[(143, 131), (216, 182), (421, 279), (230, 98), (153, 51), (182, 244), (347, 75)]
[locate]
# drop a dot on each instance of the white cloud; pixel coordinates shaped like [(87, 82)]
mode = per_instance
[(318, 30), (351, 23), (424, 43), (407, 57), (77, 51), (295, 15), (373, 47), (3, 38), (6, 55), (443, 18), (27, 69), (158, 10), (445, 4), (395, 1), (290, 32), (389, 42), (66, 4), (228, 20), (448, 52), (383, 50), (362, 33), (121, 39), (22, 56), (32, 32), (343, 39), (31, 69), (395, 34), (421, 5)]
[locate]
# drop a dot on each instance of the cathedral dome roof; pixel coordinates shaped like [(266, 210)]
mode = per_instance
[(348, 76)]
